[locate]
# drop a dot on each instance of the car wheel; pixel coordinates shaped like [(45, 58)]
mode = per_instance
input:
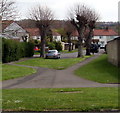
[(59, 57)]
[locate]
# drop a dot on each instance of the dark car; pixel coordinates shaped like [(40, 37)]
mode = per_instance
[(53, 54), (94, 48)]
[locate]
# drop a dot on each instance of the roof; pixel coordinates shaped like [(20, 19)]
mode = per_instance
[(75, 33), (14, 27), (36, 32), (105, 32), (33, 31), (55, 33), (100, 32), (6, 23)]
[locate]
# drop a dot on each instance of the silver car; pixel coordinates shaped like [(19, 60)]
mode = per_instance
[(52, 54)]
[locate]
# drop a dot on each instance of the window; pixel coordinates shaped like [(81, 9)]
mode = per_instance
[(101, 37)]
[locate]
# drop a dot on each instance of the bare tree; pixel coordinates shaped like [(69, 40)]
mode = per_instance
[(78, 17), (92, 18), (83, 17), (44, 18), (8, 9), (69, 28)]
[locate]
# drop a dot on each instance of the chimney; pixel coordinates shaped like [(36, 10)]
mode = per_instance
[(106, 28)]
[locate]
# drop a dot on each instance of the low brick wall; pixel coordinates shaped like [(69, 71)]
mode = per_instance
[(113, 51)]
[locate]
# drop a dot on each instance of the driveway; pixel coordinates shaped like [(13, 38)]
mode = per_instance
[(51, 78)]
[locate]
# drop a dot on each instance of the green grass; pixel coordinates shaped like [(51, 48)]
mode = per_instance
[(66, 51), (68, 99), (36, 53), (99, 70), (11, 71), (52, 63), (0, 71)]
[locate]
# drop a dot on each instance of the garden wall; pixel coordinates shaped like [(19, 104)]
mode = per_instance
[(113, 51)]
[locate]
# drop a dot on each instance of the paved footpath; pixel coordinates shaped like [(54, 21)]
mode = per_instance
[(51, 78)]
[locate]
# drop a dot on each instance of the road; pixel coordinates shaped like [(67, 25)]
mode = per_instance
[(51, 78), (67, 55)]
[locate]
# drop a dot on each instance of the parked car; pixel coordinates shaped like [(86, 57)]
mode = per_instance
[(94, 48), (52, 54)]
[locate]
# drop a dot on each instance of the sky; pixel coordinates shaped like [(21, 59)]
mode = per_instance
[(107, 9)]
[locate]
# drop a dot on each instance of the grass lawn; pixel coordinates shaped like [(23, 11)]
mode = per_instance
[(99, 70), (52, 63), (66, 99), (36, 53), (66, 51), (11, 71)]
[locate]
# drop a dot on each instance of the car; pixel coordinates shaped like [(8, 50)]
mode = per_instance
[(52, 54), (94, 48)]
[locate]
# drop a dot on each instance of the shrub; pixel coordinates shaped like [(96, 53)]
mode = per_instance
[(51, 45), (29, 49), (13, 50), (58, 46), (10, 50)]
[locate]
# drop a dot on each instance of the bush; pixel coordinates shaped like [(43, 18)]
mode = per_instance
[(51, 45), (13, 50), (29, 49), (58, 46)]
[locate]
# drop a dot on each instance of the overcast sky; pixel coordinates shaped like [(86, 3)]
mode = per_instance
[(107, 9)]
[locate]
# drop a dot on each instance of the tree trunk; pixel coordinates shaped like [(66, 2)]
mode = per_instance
[(88, 42), (69, 42), (80, 54), (80, 51), (51, 39), (42, 47)]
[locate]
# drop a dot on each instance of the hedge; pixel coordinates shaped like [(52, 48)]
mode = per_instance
[(13, 50), (58, 46), (54, 45), (51, 45)]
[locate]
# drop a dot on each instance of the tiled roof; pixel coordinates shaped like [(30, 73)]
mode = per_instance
[(100, 32), (105, 32), (33, 31), (75, 33), (55, 33), (36, 32)]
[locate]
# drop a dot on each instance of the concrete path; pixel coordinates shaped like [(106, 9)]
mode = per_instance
[(51, 78)]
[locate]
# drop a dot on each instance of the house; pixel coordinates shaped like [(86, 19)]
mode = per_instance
[(74, 35), (6, 23), (102, 36), (56, 36), (15, 31), (35, 34)]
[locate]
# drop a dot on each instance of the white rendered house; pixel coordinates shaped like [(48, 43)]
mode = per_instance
[(15, 31), (103, 36)]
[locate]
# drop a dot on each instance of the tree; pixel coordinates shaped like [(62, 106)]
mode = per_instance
[(78, 17), (44, 18), (92, 18), (83, 17), (69, 28), (7, 9)]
